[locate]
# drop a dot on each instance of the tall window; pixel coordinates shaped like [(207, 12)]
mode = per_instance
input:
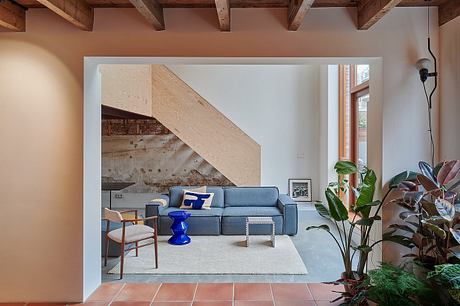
[(353, 102)]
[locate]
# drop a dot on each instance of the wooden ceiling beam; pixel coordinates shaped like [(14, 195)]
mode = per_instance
[(77, 12), (371, 11), (448, 11), (152, 11), (296, 13), (223, 13), (12, 16)]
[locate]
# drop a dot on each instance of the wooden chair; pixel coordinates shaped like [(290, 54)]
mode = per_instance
[(129, 234)]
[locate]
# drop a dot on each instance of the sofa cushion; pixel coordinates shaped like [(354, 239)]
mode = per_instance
[(214, 212), (251, 196), (252, 211), (176, 195), (197, 200)]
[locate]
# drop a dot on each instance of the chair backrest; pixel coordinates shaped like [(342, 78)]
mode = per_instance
[(112, 215)]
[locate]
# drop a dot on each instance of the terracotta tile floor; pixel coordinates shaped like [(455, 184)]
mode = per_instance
[(212, 294)]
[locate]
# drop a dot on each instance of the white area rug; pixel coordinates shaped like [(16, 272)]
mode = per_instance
[(217, 255)]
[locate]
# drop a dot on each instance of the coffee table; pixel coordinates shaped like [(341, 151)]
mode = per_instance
[(260, 220), (179, 227)]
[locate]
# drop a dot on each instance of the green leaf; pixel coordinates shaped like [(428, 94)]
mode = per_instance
[(435, 229), (322, 210), (337, 210), (445, 209), (366, 192), (322, 227), (403, 176), (345, 167), (368, 221), (360, 208)]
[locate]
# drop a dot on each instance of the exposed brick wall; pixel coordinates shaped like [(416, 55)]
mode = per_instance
[(112, 127), (145, 152)]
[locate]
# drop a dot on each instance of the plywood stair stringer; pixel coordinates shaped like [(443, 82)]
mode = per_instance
[(188, 115)]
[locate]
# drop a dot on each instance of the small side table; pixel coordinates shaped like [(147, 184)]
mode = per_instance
[(179, 227), (260, 220)]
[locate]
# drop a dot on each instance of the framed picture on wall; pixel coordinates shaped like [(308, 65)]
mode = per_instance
[(300, 190)]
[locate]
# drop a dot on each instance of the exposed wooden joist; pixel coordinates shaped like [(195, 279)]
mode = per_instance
[(223, 13), (448, 11), (152, 11), (296, 12), (371, 11), (12, 16), (77, 12)]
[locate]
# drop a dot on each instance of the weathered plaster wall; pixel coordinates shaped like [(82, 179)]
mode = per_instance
[(145, 152)]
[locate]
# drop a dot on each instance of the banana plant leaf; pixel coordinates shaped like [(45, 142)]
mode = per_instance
[(427, 171), (448, 172), (368, 221), (357, 209), (445, 209), (455, 234), (345, 167), (403, 176), (322, 211), (366, 192), (322, 227), (435, 229), (337, 210)]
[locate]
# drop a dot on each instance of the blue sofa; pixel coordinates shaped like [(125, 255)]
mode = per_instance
[(229, 209)]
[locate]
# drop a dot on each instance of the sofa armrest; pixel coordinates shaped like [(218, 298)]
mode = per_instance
[(290, 214), (154, 208)]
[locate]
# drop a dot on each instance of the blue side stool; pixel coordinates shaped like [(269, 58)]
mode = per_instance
[(179, 227)]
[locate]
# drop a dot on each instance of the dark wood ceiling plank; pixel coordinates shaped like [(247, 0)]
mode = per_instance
[(296, 13), (448, 11), (12, 16), (371, 11), (223, 14), (77, 12), (152, 11)]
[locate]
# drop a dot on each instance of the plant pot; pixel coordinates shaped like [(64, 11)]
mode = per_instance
[(351, 284)]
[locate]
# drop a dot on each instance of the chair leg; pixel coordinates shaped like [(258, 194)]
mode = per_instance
[(156, 252), (107, 240), (122, 258), (137, 249)]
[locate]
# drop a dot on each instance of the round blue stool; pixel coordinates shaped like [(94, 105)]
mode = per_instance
[(179, 227)]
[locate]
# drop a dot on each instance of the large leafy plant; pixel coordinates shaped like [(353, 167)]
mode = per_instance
[(337, 213), (431, 222), (447, 276)]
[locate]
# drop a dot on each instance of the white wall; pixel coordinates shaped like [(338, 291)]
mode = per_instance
[(450, 90), (276, 105)]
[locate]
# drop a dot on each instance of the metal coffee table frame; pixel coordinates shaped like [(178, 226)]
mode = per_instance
[(260, 220)]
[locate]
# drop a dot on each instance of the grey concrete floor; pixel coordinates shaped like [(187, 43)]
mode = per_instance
[(317, 249)]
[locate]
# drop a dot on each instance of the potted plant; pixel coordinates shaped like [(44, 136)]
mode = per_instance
[(366, 213), (431, 222), (447, 278)]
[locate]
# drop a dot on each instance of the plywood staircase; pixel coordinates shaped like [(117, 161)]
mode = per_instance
[(155, 91)]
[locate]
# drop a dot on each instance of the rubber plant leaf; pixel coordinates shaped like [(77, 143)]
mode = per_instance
[(456, 234), (435, 229), (322, 211), (402, 227), (407, 186), (437, 168), (455, 185), (399, 239), (401, 177), (345, 167), (426, 182), (337, 210), (445, 209), (427, 171), (366, 192), (448, 172)]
